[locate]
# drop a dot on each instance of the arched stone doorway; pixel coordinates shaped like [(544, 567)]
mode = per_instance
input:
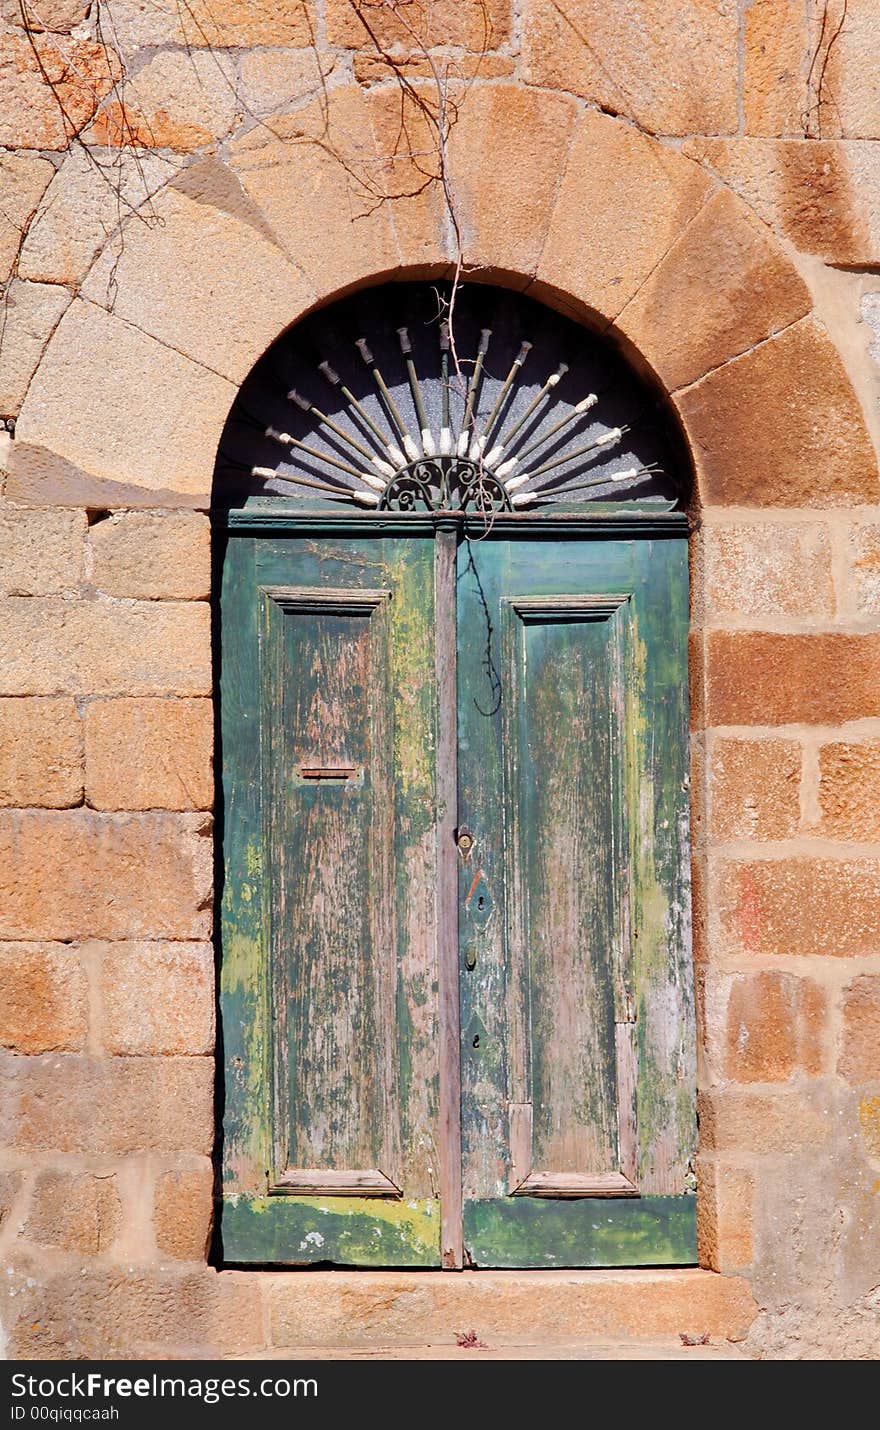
[(455, 947)]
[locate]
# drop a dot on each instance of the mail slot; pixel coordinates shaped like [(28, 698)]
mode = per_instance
[(329, 774)]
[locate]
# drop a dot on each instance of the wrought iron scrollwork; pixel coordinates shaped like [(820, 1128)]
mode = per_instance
[(445, 484), (410, 490)]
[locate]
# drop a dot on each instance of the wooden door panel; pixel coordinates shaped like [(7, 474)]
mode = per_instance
[(564, 735), (576, 990), (327, 732), (329, 973)]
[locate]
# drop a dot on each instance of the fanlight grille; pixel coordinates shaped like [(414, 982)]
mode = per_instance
[(380, 402)]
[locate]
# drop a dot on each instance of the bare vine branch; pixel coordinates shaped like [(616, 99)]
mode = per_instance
[(816, 74)]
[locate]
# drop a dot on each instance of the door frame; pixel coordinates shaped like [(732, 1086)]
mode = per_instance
[(272, 518)]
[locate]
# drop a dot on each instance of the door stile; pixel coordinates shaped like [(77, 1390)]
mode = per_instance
[(451, 1241)]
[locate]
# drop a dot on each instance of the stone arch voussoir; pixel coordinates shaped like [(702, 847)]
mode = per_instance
[(581, 209)]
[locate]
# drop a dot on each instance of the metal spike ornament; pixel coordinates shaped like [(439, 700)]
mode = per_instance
[(485, 467)]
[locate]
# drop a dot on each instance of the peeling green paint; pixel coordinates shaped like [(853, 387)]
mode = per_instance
[(286, 991), (342, 1231), (519, 1231)]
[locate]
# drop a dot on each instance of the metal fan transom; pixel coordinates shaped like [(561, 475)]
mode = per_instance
[(505, 407)]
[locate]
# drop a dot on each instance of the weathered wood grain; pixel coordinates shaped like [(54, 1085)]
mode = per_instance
[(332, 640), (576, 1184), (451, 1246), (581, 759), (326, 704), (481, 888), (307, 1181), (244, 966), (562, 747)]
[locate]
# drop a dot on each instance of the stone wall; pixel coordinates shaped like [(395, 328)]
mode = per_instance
[(701, 179)]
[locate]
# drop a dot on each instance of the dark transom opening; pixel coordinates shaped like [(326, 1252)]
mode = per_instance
[(383, 402)]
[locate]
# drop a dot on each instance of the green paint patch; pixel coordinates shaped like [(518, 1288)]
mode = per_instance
[(590, 1231), (346, 1231)]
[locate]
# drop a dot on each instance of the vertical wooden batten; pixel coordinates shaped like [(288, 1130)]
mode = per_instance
[(451, 1242)]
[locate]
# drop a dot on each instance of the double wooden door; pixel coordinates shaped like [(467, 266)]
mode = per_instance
[(456, 990)]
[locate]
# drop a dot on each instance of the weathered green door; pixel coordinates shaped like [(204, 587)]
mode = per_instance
[(499, 1074), (328, 975), (576, 1005)]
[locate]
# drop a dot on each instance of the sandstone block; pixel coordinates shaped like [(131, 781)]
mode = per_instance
[(82, 207), (59, 16), (208, 279), (68, 1103), (847, 102), (149, 754), (858, 1259), (218, 24), (152, 555), (183, 1212), (775, 62), (849, 789), (527, 135), (767, 569), (869, 1121), (826, 908), (864, 552), (774, 1027), (41, 551), (23, 179), (157, 998), (74, 1212), (471, 24), (860, 1046), (652, 194), (799, 1223), (757, 433), (121, 406), (377, 69), (670, 67), (723, 287), (738, 1121), (48, 91), (85, 875), (755, 678), (104, 647), (115, 1313), (31, 312), (179, 100), (41, 753), (820, 195), (697, 672), (725, 1196), (363, 1309), (406, 172), (323, 161), (754, 789), (270, 80), (10, 1183), (45, 1003)]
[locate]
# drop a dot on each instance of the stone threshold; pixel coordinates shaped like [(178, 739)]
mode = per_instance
[(517, 1314), (632, 1349)]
